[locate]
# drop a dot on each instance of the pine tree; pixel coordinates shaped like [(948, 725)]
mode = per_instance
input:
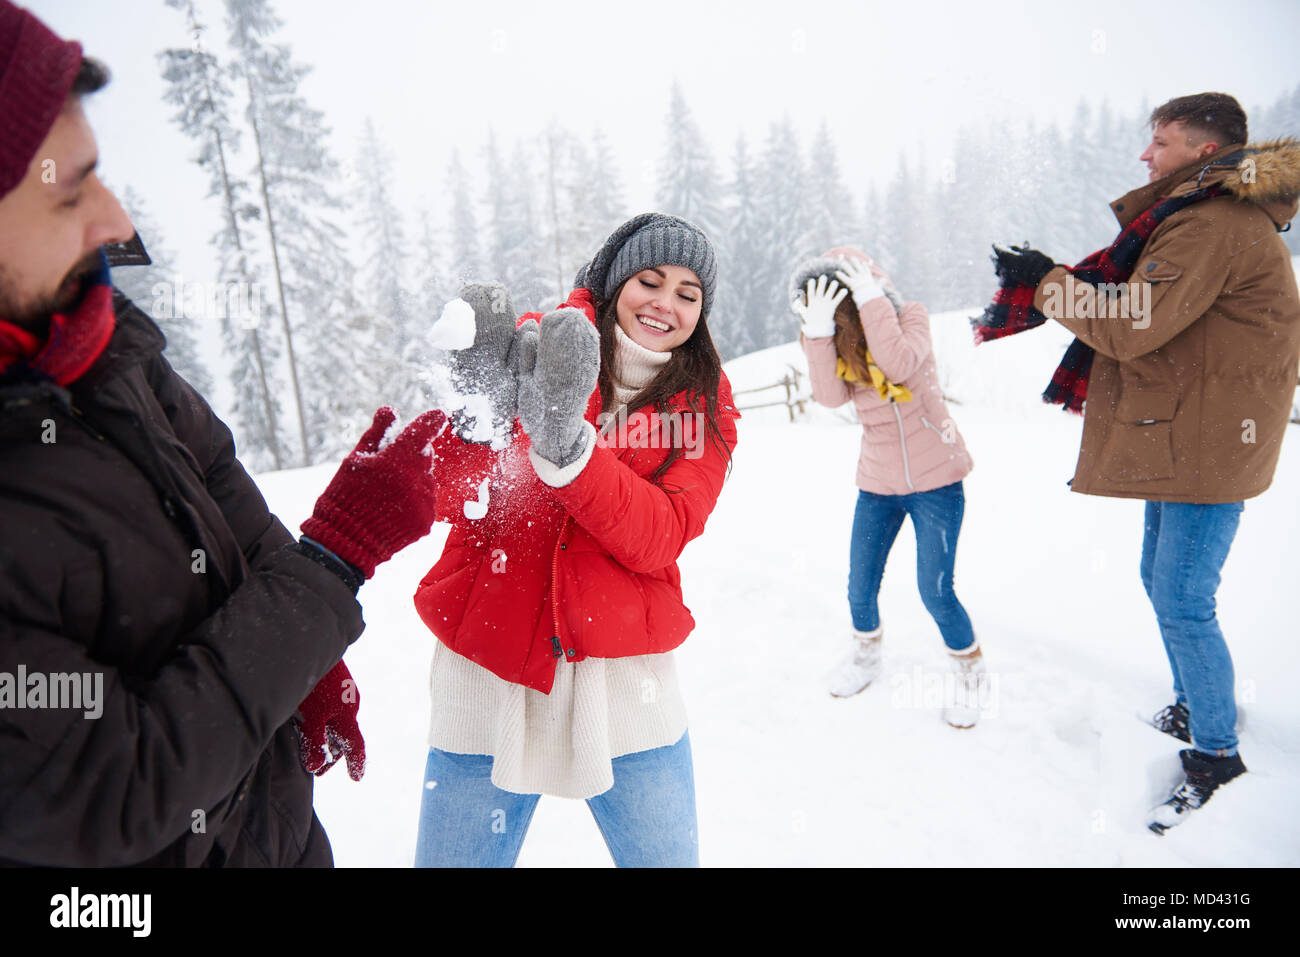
[(599, 202), (434, 288), (296, 177), (830, 203), (898, 217), (782, 230), (395, 325), (558, 154), (687, 176), (875, 233), (516, 254), (465, 260), (1113, 171), (1077, 186), (736, 321), (966, 207), (531, 275), (196, 85)]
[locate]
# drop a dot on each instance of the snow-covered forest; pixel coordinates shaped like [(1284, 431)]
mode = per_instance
[(326, 283)]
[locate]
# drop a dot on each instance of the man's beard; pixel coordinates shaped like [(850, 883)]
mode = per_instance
[(34, 315)]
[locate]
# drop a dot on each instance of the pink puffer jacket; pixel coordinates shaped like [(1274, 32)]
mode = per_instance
[(906, 446)]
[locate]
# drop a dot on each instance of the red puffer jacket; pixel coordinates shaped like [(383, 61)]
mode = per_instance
[(586, 569)]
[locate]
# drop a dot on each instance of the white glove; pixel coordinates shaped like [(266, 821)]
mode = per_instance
[(857, 275), (817, 307)]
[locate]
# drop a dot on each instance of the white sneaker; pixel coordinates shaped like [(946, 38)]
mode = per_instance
[(860, 667), (962, 708)]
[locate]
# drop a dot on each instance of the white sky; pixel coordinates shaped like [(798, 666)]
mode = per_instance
[(887, 75)]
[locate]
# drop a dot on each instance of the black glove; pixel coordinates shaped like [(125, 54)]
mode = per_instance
[(1021, 265)]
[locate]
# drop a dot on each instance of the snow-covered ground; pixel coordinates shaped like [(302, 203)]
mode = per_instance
[(1058, 772)]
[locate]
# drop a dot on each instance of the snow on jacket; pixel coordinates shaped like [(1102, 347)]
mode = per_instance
[(1190, 402), (134, 546), (906, 446), (532, 573)]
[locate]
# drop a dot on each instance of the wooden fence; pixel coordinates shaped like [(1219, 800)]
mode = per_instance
[(793, 400)]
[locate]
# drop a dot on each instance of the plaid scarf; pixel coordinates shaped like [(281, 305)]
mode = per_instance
[(1012, 309), (75, 340)]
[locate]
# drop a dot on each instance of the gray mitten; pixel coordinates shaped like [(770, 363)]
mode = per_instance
[(558, 369), (484, 370)]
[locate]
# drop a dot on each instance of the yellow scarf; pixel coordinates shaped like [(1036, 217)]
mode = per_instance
[(887, 389)]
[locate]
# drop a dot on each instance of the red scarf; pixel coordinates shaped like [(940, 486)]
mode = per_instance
[(75, 339)]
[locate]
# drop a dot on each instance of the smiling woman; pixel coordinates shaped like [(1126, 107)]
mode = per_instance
[(659, 307), (559, 604)]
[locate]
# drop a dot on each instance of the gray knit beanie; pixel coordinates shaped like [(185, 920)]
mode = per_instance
[(651, 239)]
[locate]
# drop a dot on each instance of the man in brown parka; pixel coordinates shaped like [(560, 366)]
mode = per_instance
[(1190, 391)]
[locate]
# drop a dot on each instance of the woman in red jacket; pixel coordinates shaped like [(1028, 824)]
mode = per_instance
[(867, 346), (557, 598)]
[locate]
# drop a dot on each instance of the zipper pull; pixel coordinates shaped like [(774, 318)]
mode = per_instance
[(556, 652)]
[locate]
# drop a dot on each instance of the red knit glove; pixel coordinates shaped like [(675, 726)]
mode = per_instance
[(329, 725), (380, 500)]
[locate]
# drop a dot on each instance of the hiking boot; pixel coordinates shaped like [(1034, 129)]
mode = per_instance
[(1173, 720), (1203, 775)]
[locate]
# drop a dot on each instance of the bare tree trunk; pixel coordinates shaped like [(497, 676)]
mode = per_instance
[(257, 342), (267, 407), (279, 279)]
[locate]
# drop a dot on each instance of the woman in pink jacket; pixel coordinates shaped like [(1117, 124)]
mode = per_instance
[(865, 345)]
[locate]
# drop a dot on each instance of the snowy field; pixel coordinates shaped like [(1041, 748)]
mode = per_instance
[(1059, 770)]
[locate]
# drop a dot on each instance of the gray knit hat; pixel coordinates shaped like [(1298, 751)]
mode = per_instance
[(650, 239)]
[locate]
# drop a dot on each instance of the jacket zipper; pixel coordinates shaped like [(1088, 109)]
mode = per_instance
[(902, 440), (556, 649)]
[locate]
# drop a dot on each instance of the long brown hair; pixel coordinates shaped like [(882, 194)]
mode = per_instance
[(695, 369), (850, 340)]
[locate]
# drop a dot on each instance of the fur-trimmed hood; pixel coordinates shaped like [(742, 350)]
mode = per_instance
[(828, 263), (1269, 172), (1265, 173)]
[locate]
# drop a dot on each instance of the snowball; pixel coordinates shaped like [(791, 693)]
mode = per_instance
[(455, 327)]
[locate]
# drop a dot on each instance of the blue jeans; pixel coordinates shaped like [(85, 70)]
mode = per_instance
[(1183, 551), (936, 517), (647, 818)]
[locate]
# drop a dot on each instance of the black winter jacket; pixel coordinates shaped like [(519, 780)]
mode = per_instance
[(134, 545)]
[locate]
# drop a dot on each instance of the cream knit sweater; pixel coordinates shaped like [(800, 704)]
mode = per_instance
[(599, 708)]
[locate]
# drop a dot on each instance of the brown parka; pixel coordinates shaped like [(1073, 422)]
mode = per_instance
[(1188, 398), (133, 545)]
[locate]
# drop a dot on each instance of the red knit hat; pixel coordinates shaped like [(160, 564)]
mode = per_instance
[(36, 72)]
